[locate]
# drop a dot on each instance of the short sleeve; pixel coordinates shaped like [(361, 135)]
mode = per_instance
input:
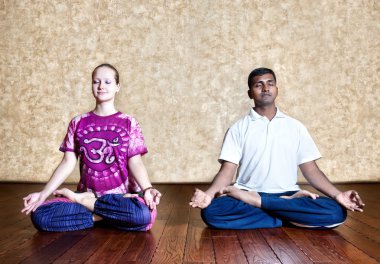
[(136, 139), (307, 150), (68, 143), (232, 148)]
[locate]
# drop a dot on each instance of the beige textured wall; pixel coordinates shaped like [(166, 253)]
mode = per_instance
[(183, 68)]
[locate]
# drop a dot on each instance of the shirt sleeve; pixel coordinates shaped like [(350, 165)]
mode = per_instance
[(307, 150), (68, 143), (232, 147), (136, 141)]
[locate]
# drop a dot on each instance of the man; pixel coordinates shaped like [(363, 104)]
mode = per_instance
[(264, 149)]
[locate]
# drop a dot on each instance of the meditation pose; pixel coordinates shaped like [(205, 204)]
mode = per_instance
[(114, 187), (263, 150)]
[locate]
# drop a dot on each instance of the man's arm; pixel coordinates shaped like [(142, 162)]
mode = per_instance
[(222, 179), (318, 179), (349, 199)]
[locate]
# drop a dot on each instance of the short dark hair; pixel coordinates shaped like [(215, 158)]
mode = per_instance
[(259, 72), (108, 66)]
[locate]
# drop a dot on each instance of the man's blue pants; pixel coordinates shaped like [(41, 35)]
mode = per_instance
[(229, 213)]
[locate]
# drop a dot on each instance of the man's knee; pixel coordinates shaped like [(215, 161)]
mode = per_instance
[(207, 215), (328, 214), (215, 215), (336, 213), (224, 213)]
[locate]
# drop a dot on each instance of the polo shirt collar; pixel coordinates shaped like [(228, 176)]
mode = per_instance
[(255, 116)]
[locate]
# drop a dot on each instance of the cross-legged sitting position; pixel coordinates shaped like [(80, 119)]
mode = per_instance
[(114, 186), (264, 150)]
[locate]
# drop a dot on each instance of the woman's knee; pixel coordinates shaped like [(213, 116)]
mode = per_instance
[(61, 216), (125, 213)]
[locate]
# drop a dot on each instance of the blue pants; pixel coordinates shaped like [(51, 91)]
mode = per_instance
[(116, 211), (229, 213)]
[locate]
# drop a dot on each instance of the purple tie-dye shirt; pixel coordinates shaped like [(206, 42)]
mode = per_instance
[(104, 144)]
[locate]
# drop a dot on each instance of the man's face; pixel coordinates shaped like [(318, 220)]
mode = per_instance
[(263, 90)]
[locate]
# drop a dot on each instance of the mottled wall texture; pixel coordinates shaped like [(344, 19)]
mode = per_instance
[(183, 67)]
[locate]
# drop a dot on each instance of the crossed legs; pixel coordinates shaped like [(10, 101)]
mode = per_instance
[(80, 210), (239, 209)]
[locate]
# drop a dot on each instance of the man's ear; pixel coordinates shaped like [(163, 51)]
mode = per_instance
[(249, 93)]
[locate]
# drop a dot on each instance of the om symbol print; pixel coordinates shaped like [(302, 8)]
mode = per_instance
[(99, 149)]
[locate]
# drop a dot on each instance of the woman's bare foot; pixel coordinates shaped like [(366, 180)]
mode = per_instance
[(250, 197), (301, 193), (130, 195), (75, 197)]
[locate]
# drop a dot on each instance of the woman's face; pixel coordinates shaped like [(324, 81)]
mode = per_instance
[(104, 86)]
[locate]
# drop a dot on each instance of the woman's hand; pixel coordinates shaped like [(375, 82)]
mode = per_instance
[(152, 198), (32, 202)]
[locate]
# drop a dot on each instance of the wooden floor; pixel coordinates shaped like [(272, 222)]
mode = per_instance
[(180, 236)]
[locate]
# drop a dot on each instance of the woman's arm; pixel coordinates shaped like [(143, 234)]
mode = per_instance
[(138, 170), (66, 166)]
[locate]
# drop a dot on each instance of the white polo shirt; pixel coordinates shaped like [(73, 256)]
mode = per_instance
[(268, 152)]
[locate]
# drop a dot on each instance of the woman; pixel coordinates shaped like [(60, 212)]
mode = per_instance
[(109, 145)]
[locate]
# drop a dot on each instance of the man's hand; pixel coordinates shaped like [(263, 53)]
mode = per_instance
[(200, 199), (350, 200)]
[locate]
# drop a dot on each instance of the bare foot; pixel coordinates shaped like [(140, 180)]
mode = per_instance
[(75, 197), (301, 193), (96, 218), (130, 195), (250, 197)]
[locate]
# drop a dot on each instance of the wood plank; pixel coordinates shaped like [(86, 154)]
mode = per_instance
[(55, 249), (26, 246), (170, 250), (228, 250), (366, 219), (144, 245), (87, 246), (199, 245), (112, 249), (364, 243), (314, 246), (365, 230), (14, 233), (171, 246), (331, 241), (180, 236), (285, 249), (256, 248)]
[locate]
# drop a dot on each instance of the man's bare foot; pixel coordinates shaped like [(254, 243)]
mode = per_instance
[(75, 197), (250, 197), (301, 193)]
